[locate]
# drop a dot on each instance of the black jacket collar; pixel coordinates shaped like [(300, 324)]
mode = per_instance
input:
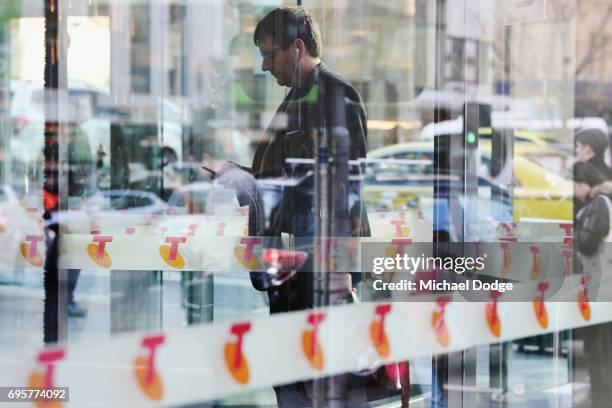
[(299, 92)]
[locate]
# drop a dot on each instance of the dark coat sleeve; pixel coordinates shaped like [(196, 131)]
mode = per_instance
[(358, 130), (357, 127), (592, 226)]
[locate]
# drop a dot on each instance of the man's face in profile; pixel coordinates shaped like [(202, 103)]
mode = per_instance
[(584, 152), (280, 63)]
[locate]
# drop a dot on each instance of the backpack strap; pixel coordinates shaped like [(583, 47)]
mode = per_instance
[(609, 205)]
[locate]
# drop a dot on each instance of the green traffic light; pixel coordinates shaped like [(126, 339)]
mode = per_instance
[(471, 137)]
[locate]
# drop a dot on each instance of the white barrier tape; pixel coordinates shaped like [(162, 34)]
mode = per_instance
[(383, 224), (518, 261), (25, 248), (221, 359), (137, 252), (527, 262), (539, 230), (408, 224)]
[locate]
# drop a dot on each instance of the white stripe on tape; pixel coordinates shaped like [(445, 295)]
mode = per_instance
[(186, 242), (220, 359)]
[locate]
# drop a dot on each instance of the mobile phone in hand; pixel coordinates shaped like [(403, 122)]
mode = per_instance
[(243, 168), (211, 171)]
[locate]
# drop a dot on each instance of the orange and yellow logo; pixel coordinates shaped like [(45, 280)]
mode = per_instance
[(505, 246), (147, 375), (235, 360), (377, 331), (583, 299), (567, 250), (506, 260), (97, 250), (245, 254), (398, 247), (170, 253), (536, 264), (539, 307), (46, 379), (29, 252), (438, 324), (310, 344), (567, 262), (491, 315), (401, 230)]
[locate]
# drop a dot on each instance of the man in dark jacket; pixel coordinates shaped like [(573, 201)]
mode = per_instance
[(593, 221), (586, 177), (591, 145), (592, 236), (290, 44)]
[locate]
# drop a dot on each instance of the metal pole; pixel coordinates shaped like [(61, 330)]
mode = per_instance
[(51, 178), (321, 222)]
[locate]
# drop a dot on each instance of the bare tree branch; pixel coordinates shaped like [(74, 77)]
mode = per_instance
[(600, 41)]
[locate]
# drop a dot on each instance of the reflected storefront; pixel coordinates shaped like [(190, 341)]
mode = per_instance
[(200, 205)]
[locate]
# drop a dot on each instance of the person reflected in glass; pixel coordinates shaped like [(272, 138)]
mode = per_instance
[(289, 42), (81, 180), (593, 237), (586, 177), (591, 146), (290, 45)]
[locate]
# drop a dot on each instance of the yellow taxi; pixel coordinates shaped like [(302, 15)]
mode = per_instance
[(400, 177)]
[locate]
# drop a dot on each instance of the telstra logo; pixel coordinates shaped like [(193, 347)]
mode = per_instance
[(235, 360), (539, 307), (506, 260), (310, 344), (29, 250), (583, 299), (438, 323), (245, 254), (170, 253), (147, 375), (401, 230), (97, 250), (397, 248), (46, 379), (493, 320), (536, 264), (377, 331)]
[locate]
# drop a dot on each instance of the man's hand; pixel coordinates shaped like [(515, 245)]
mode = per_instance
[(230, 175), (234, 177)]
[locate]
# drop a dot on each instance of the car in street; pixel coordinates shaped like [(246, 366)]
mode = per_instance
[(111, 210), (92, 110), (401, 177)]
